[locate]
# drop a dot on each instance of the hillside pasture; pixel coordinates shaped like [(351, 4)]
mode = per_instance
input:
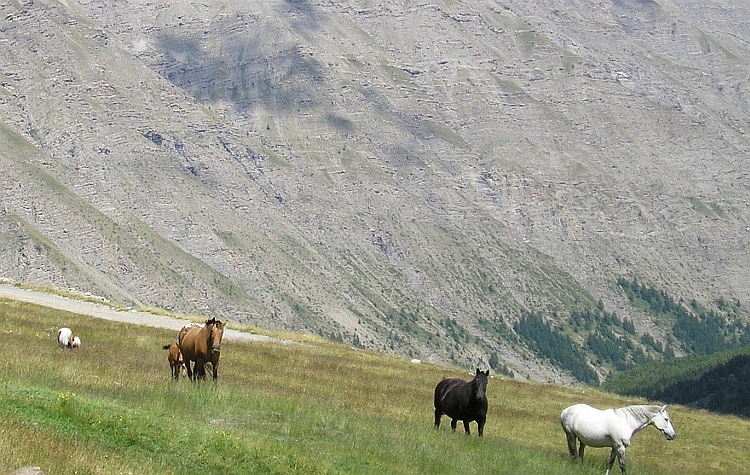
[(314, 407)]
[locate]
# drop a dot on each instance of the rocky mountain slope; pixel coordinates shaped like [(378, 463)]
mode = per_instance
[(391, 174)]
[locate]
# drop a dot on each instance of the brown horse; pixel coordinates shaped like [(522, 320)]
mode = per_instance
[(201, 344), (175, 359)]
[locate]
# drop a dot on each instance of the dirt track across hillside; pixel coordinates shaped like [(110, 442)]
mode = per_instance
[(102, 311)]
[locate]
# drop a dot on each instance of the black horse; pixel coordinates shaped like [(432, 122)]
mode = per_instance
[(462, 401)]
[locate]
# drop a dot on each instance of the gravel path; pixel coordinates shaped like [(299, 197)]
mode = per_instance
[(102, 311)]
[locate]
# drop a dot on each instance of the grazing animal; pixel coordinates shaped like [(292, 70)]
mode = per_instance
[(611, 428), (462, 401), (67, 339), (201, 344), (175, 360)]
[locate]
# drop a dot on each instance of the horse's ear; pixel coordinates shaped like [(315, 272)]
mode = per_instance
[(663, 408), (487, 372), (477, 373)]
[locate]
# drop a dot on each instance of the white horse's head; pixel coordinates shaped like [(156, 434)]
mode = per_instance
[(661, 421)]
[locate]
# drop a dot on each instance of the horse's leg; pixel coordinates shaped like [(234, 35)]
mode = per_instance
[(438, 416), (454, 422), (216, 369), (203, 370), (189, 370), (466, 426), (480, 425), (581, 446), (621, 457), (571, 439), (200, 369), (612, 457)]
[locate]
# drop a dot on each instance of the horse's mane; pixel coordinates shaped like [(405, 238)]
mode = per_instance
[(640, 411)]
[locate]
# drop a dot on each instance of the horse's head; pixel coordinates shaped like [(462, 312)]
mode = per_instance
[(217, 331), (661, 421), (479, 384)]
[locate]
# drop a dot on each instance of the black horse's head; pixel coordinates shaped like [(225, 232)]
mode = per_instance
[(479, 384)]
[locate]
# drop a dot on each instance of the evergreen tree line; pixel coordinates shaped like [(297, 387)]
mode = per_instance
[(612, 342), (714, 382), (590, 319), (604, 346), (557, 348), (723, 389), (698, 330), (622, 353), (620, 350)]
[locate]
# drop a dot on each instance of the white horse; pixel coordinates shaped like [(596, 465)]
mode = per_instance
[(611, 428)]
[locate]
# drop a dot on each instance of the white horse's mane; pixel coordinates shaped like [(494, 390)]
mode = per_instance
[(640, 411)]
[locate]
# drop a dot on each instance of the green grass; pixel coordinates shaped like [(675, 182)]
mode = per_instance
[(313, 407)]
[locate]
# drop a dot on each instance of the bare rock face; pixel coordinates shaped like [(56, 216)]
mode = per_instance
[(405, 178)]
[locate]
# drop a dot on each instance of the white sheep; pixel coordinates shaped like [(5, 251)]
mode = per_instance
[(67, 339)]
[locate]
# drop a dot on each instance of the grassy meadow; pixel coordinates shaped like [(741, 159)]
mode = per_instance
[(313, 408)]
